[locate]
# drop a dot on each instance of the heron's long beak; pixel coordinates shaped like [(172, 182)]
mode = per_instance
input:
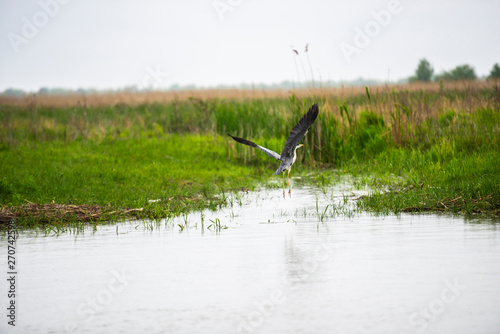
[(300, 145)]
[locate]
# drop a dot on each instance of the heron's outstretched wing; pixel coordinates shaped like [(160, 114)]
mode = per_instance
[(263, 149), (299, 131)]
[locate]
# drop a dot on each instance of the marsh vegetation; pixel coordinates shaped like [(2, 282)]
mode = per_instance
[(430, 147)]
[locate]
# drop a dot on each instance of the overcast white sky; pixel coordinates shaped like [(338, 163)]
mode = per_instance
[(115, 43)]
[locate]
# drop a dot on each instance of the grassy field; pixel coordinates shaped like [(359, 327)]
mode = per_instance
[(421, 148)]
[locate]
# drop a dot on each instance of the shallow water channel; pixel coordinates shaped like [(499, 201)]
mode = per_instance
[(280, 266)]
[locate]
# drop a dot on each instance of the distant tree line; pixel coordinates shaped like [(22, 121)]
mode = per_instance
[(425, 73), (284, 85)]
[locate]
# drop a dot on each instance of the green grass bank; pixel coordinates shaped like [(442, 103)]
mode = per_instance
[(419, 150)]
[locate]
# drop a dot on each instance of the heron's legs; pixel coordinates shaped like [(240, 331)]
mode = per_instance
[(288, 181), (283, 184)]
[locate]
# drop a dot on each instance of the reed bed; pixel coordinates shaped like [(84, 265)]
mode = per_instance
[(134, 98), (351, 126)]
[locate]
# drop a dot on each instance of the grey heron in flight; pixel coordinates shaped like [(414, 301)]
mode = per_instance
[(289, 154)]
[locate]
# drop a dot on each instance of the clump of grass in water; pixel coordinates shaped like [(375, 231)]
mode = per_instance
[(216, 225), (320, 215)]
